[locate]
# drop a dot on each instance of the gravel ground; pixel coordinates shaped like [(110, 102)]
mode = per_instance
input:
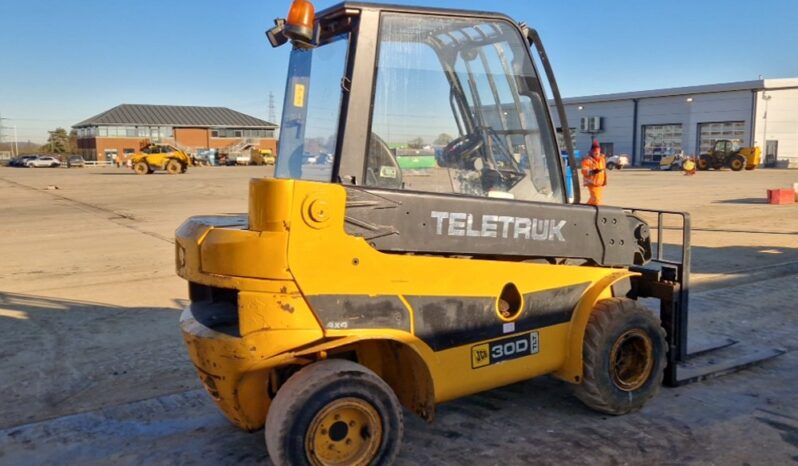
[(94, 370)]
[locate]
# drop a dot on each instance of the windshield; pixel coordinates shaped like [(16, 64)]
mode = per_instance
[(309, 130), (458, 109)]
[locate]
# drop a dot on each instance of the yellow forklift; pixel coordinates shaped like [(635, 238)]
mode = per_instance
[(354, 287)]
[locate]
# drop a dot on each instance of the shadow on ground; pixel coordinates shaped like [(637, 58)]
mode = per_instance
[(746, 201), (737, 261), (61, 356)]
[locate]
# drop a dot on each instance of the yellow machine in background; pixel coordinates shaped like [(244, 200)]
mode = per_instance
[(672, 161), (160, 157), (262, 157), (729, 154)]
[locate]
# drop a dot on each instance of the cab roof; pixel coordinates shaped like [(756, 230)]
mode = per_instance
[(343, 6)]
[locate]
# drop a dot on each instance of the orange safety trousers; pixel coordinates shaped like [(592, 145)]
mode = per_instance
[(595, 194), (594, 183)]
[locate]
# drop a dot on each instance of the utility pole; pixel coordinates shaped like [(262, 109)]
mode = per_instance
[(272, 115), (16, 142), (1, 131)]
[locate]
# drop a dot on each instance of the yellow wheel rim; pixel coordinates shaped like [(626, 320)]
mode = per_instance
[(347, 431), (631, 360)]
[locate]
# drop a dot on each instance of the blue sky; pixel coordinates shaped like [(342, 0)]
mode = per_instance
[(65, 61)]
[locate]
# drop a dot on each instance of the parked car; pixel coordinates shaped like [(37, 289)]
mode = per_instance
[(75, 161), (21, 161), (43, 161), (617, 161)]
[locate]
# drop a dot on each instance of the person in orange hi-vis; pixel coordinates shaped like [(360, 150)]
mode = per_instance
[(594, 173)]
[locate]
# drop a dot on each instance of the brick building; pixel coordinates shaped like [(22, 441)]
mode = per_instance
[(124, 129)]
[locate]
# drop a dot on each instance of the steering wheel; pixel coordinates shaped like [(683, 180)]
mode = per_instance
[(459, 152), (382, 168)]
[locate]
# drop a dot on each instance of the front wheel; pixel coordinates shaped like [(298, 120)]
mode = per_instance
[(623, 356), (610, 165), (703, 163), (141, 168), (173, 167), (334, 412), (737, 163)]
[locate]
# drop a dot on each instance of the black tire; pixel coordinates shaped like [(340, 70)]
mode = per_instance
[(611, 166), (621, 330), (737, 163), (141, 168), (173, 167), (703, 163), (296, 417)]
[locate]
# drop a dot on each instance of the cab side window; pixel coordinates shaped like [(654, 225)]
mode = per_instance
[(458, 109)]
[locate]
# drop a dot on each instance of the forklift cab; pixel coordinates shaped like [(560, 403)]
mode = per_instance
[(724, 148), (376, 77)]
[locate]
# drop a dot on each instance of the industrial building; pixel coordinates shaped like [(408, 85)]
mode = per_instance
[(122, 130), (648, 124)]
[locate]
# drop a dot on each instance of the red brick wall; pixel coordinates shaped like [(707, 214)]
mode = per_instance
[(120, 144), (192, 138)]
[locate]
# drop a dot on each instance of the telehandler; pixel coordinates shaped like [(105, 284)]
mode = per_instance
[(729, 154), (354, 287), (160, 157)]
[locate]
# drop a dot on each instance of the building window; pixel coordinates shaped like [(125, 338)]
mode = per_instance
[(241, 133), (660, 140), (709, 133), (258, 133)]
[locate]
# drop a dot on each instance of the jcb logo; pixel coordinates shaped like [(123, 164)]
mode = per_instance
[(480, 355)]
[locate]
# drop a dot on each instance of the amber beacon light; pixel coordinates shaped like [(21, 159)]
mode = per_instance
[(298, 27), (299, 24)]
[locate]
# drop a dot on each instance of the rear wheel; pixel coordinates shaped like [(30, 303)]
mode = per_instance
[(173, 167), (737, 163), (611, 165), (141, 168), (703, 162), (334, 412), (624, 357)]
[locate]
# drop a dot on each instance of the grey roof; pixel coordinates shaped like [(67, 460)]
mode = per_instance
[(174, 115), (758, 85)]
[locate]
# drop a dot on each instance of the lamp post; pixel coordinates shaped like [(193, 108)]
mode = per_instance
[(766, 98)]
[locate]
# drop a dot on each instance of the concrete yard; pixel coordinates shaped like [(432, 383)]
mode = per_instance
[(93, 369)]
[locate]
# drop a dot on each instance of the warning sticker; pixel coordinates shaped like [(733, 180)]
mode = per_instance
[(299, 95)]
